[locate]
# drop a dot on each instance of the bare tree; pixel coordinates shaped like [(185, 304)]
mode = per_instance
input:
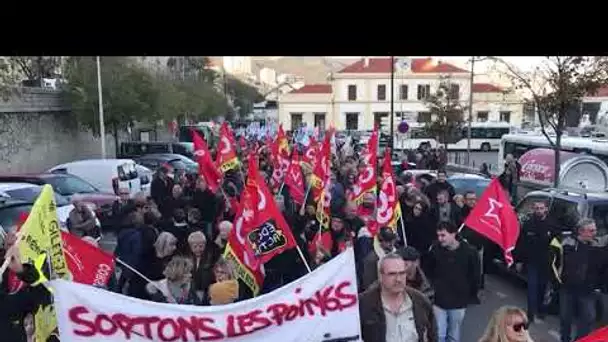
[(447, 112), (554, 87)]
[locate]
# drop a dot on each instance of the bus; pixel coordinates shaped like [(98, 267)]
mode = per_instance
[(518, 144), (204, 129), (485, 136)]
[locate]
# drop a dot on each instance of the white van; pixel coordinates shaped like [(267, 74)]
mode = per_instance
[(108, 175)]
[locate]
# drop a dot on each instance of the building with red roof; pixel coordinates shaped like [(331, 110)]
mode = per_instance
[(358, 95)]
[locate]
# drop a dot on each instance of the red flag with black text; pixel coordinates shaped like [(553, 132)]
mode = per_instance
[(260, 224), (494, 217), (206, 167)]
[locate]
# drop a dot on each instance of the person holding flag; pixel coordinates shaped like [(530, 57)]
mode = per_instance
[(14, 307)]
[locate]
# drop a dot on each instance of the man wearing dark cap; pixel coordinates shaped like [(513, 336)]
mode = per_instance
[(385, 244), (415, 276)]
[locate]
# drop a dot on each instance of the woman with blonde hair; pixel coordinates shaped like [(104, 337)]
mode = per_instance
[(165, 247), (226, 288), (508, 324), (177, 287)]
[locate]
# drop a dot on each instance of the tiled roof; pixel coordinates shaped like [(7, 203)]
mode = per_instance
[(486, 88), (313, 89), (383, 65), (601, 92)]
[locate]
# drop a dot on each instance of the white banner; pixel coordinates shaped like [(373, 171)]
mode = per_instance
[(321, 306)]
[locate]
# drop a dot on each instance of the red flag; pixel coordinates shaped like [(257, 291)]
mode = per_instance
[(600, 335), (206, 167), (14, 283), (366, 181), (87, 263), (260, 230), (321, 171), (294, 179), (226, 158), (310, 154), (389, 209), (494, 218), (281, 146)]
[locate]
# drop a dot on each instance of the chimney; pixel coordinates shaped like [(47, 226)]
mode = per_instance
[(366, 62)]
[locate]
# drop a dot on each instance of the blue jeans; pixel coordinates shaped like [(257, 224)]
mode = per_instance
[(572, 304), (537, 285), (448, 323)]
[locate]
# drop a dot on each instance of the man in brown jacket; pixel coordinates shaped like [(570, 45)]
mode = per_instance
[(391, 311)]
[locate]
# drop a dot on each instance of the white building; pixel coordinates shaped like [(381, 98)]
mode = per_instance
[(239, 65), (359, 95)]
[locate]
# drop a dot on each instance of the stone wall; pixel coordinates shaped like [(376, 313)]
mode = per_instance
[(37, 132)]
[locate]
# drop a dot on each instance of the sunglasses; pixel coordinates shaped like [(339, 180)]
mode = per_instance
[(519, 326)]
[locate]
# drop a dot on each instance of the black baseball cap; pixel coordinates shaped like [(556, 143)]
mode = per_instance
[(386, 234)]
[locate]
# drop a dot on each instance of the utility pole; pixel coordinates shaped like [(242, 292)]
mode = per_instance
[(470, 111), (102, 127), (392, 133)]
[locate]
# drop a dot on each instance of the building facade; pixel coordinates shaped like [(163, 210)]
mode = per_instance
[(359, 95)]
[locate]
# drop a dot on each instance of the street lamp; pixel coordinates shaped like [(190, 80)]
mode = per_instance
[(102, 127), (392, 132)]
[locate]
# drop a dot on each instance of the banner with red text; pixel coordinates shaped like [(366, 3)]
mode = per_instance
[(321, 306)]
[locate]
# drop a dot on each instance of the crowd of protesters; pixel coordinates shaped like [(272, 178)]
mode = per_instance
[(415, 283)]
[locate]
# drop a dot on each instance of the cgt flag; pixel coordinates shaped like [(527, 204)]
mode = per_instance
[(294, 179), (226, 158), (206, 167), (265, 227), (88, 264), (494, 218)]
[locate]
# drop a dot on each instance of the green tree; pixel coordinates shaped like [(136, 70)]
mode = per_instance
[(558, 84), (130, 93), (35, 68), (446, 111), (244, 95)]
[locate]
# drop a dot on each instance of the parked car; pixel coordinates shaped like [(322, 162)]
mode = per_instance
[(174, 161), (29, 193), (10, 212), (463, 182), (135, 149), (567, 207), (145, 178), (72, 188), (107, 175)]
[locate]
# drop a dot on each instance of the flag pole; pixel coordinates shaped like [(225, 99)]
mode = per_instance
[(138, 273), (460, 228), (303, 258), (281, 187), (306, 197), (403, 231)]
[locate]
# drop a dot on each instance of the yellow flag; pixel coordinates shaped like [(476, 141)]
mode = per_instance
[(41, 236)]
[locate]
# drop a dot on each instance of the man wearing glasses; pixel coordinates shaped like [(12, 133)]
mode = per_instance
[(392, 312)]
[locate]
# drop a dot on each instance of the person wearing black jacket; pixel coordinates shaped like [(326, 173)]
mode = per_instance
[(453, 268), (584, 262), (161, 189), (533, 251), (208, 204), (14, 307), (440, 184)]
